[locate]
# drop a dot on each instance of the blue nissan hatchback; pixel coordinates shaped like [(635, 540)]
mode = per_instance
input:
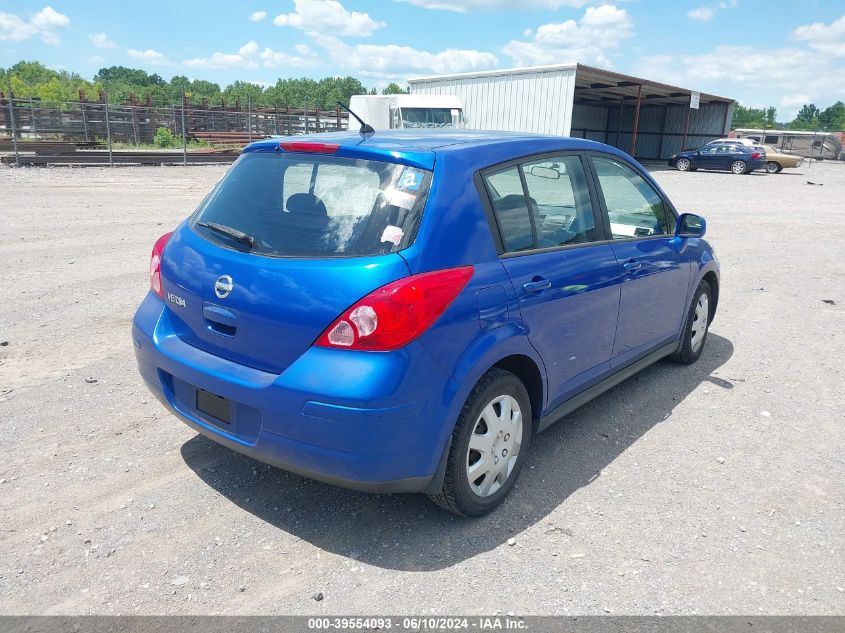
[(402, 312)]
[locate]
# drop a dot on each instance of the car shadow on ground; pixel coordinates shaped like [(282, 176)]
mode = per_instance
[(408, 532)]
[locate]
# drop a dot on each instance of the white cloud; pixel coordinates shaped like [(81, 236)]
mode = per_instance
[(15, 29), (707, 13), (794, 101), (101, 40), (328, 16), (274, 59), (96, 60), (825, 38), (248, 56), (754, 75), (50, 38), (702, 14), (257, 16), (393, 62), (48, 18), (149, 56), (463, 6), (599, 30)]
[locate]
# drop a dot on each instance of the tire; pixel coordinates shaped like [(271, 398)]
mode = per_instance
[(683, 164), (773, 168), (739, 167), (694, 338), (481, 445)]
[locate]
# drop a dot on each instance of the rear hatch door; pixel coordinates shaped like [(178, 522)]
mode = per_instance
[(323, 232)]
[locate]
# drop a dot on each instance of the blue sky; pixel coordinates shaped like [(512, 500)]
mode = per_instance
[(775, 52)]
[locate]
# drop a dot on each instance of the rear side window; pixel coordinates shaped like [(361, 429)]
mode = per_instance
[(634, 208), (297, 205), (552, 209), (510, 206)]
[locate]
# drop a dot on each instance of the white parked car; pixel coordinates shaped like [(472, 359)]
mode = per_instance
[(748, 142), (735, 141)]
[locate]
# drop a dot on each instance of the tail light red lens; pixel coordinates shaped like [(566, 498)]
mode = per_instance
[(394, 315), (310, 148), (155, 264), (755, 155)]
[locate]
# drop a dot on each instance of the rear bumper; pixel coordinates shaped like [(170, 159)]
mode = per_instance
[(377, 422)]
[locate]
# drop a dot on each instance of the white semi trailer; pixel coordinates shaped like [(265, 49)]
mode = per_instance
[(390, 112)]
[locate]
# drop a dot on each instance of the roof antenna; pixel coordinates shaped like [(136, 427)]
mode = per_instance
[(366, 128)]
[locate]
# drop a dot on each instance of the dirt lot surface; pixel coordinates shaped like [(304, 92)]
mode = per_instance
[(711, 488)]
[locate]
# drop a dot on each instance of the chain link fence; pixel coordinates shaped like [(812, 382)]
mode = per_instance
[(36, 132)]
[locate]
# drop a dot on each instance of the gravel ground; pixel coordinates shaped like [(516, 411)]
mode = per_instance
[(715, 488)]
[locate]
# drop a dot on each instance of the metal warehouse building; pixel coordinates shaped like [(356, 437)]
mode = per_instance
[(647, 119)]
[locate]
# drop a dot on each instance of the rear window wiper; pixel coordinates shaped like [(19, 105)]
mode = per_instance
[(228, 231)]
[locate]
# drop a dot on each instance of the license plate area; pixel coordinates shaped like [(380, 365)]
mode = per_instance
[(217, 407)]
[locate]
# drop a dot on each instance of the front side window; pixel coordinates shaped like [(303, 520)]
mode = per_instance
[(298, 205), (560, 200), (634, 208)]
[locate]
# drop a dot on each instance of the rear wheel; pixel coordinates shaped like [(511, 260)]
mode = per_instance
[(683, 164), (489, 444), (773, 168), (698, 322), (739, 167)]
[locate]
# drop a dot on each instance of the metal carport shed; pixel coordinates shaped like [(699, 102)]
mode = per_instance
[(645, 118)]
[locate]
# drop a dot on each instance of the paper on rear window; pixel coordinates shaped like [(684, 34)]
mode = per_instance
[(316, 205)]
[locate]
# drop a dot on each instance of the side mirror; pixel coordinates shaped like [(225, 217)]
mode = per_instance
[(690, 225)]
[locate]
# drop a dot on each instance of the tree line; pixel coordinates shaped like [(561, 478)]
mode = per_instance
[(809, 118), (33, 79)]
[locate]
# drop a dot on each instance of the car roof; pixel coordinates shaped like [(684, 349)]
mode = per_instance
[(420, 147)]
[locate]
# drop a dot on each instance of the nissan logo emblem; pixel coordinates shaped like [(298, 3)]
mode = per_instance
[(223, 286)]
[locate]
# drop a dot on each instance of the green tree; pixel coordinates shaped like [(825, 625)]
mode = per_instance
[(754, 117), (245, 93), (394, 89), (832, 119), (201, 89), (807, 118)]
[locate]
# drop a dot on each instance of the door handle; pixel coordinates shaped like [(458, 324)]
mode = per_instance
[(538, 285), (632, 265)]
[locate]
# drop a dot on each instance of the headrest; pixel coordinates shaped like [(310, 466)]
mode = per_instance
[(306, 204)]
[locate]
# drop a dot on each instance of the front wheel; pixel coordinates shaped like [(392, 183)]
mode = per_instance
[(683, 164), (739, 167), (773, 168), (695, 331), (489, 444)]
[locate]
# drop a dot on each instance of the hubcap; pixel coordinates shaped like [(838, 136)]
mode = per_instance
[(738, 167), (699, 321), (772, 168), (494, 445), (683, 164)]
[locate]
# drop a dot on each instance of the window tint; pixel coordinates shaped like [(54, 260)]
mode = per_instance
[(633, 206), (508, 201), (293, 205), (772, 140), (560, 201)]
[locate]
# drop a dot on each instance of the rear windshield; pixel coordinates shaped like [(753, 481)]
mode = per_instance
[(301, 205)]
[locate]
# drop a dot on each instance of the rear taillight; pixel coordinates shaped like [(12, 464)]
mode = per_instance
[(155, 264), (755, 155), (396, 314)]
